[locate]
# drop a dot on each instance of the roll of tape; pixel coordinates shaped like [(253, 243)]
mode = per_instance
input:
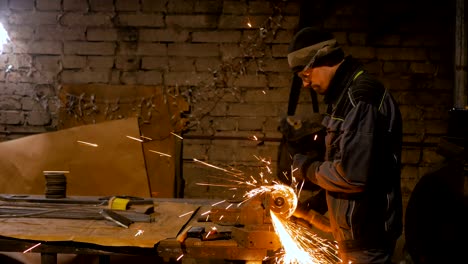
[(116, 203)]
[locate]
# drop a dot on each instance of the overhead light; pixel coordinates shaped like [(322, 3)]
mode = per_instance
[(4, 38)]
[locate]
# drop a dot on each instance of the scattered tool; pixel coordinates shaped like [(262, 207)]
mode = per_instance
[(135, 209), (116, 218)]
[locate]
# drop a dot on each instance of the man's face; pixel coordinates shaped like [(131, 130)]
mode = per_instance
[(317, 78)]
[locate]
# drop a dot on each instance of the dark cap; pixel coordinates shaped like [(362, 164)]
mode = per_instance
[(312, 48)]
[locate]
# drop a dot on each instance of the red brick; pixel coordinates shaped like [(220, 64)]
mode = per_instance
[(75, 5), (192, 21)]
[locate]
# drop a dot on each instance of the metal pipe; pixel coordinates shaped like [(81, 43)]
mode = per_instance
[(459, 94)]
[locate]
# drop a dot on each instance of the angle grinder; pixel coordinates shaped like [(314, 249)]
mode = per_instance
[(283, 200)]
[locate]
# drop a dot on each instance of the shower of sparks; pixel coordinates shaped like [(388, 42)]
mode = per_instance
[(253, 179), (217, 185), (213, 230), (147, 138), (301, 245), (300, 189), (160, 153), (285, 192), (87, 143), (315, 137), (177, 135), (262, 160), (180, 257), (285, 175), (249, 24), (216, 167), (186, 214), (134, 138), (218, 203), (140, 232), (31, 248), (207, 212), (255, 137)]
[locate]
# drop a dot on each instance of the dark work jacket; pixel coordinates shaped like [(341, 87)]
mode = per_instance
[(361, 171)]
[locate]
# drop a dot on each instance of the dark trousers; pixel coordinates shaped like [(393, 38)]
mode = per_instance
[(368, 256)]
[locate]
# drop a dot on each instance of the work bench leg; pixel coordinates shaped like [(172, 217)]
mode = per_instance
[(48, 258)]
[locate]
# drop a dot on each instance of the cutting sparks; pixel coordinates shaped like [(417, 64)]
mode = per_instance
[(186, 214), (218, 202), (147, 138), (140, 232), (180, 257), (177, 135), (207, 212), (301, 245), (160, 153), (31, 248), (216, 167), (213, 230), (136, 139), (87, 143)]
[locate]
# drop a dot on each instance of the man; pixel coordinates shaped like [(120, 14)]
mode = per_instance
[(361, 167)]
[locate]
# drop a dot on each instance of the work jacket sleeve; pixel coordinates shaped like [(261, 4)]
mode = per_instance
[(358, 153)]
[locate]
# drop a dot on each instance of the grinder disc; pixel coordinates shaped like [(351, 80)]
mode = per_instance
[(283, 200)]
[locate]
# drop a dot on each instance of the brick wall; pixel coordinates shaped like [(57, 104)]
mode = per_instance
[(229, 59)]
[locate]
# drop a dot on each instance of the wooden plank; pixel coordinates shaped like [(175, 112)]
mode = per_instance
[(114, 166)]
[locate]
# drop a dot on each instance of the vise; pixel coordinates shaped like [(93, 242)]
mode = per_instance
[(235, 229)]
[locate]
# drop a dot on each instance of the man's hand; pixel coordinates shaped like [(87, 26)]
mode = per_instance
[(300, 167), (314, 218)]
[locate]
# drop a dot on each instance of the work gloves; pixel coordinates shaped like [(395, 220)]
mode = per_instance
[(304, 168)]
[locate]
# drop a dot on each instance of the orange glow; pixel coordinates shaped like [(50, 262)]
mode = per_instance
[(300, 245)]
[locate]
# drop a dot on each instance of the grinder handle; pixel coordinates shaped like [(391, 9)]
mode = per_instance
[(314, 218)]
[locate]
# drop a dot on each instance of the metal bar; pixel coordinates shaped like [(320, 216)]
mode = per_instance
[(67, 213)]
